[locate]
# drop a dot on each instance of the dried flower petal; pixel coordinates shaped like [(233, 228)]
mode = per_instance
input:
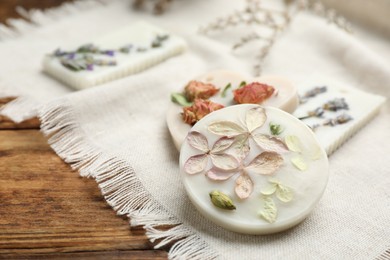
[(244, 186), (275, 129), (293, 143), (253, 93), (198, 141), (198, 110), (266, 163), (255, 118), (196, 164), (226, 128), (270, 190), (219, 175), (241, 146), (224, 161), (270, 143), (284, 193), (270, 211), (222, 144), (196, 89), (221, 200), (299, 163)]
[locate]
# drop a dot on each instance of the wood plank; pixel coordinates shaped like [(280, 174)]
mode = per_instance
[(6, 123), (47, 208)]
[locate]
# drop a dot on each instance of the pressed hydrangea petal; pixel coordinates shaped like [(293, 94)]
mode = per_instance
[(293, 143), (224, 161), (255, 118), (270, 211), (226, 128), (244, 186), (270, 143), (198, 141), (269, 190), (222, 144), (284, 193), (240, 147), (219, 175), (299, 163), (266, 163), (196, 164)]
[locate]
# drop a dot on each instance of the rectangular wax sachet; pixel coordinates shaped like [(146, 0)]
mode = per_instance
[(121, 53)]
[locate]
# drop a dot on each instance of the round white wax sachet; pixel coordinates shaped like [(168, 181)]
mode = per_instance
[(285, 98), (253, 169)]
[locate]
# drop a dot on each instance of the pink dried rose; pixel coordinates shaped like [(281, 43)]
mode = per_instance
[(198, 110), (196, 89), (253, 93)]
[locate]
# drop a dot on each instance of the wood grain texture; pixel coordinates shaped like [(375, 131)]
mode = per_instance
[(47, 209)]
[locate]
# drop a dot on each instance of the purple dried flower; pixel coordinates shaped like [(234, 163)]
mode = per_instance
[(109, 52), (89, 66), (71, 55)]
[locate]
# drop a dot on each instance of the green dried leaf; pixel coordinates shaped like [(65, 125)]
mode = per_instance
[(299, 163), (293, 143), (275, 129), (270, 211), (221, 200), (225, 89), (255, 118), (243, 83), (180, 99), (284, 193)]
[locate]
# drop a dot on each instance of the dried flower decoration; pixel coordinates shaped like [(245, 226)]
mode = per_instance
[(254, 119), (282, 192), (312, 93), (221, 200), (275, 129), (253, 93), (339, 120), (87, 56), (332, 105), (266, 163), (276, 21), (196, 89), (199, 109), (270, 212), (198, 163)]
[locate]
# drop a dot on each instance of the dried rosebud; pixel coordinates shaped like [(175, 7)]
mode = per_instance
[(196, 89), (253, 93), (198, 110), (221, 200)]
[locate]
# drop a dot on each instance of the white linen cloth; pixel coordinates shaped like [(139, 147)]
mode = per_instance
[(116, 132)]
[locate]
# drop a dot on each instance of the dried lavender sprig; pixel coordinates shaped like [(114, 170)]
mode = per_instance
[(339, 120), (312, 93)]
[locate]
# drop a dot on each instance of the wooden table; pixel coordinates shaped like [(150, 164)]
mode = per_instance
[(46, 209)]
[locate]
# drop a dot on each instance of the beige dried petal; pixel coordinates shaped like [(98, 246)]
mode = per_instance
[(266, 163), (269, 190), (255, 118), (293, 143), (270, 143), (244, 186), (284, 193), (240, 147), (196, 164), (219, 175), (270, 211), (198, 141), (222, 144), (299, 163), (226, 128), (224, 161)]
